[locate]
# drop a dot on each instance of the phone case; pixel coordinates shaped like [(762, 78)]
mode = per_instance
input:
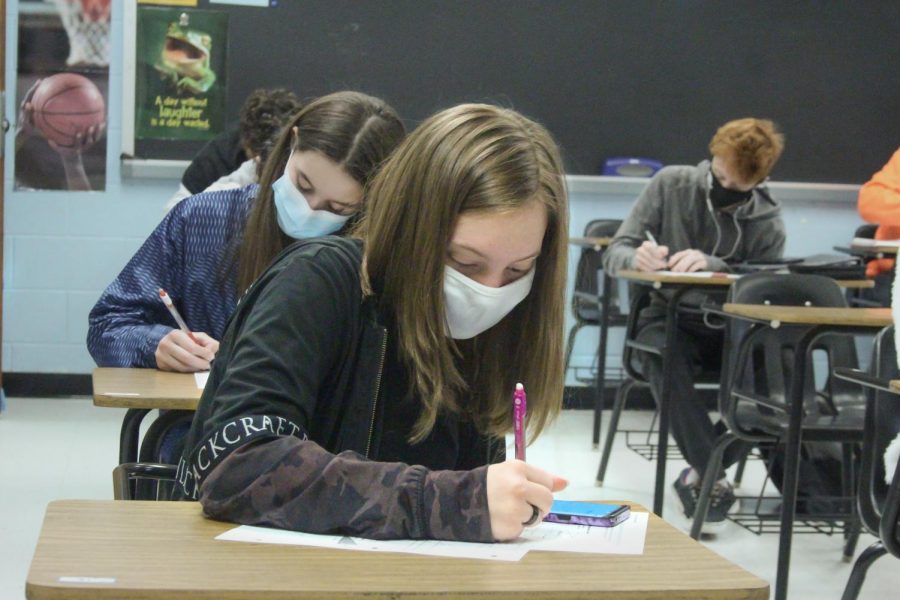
[(609, 520)]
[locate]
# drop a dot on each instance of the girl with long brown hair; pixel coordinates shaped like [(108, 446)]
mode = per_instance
[(210, 247), (350, 359)]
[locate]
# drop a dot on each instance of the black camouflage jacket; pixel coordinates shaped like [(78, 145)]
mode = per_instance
[(294, 408)]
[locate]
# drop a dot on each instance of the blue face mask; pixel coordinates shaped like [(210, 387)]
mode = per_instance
[(296, 218)]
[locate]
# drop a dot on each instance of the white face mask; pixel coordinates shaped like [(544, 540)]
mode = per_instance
[(295, 217), (473, 308)]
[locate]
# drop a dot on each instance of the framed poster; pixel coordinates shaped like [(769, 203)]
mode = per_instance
[(62, 84), (180, 84)]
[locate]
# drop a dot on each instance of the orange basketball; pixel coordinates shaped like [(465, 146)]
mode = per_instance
[(66, 104)]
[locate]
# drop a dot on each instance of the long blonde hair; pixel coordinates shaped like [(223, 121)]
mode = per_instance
[(472, 157)]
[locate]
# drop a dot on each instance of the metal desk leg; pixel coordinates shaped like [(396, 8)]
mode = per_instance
[(664, 400), (792, 461), (129, 434), (600, 392)]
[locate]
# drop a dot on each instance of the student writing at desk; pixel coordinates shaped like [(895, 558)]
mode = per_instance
[(212, 246), (364, 384), (701, 218)]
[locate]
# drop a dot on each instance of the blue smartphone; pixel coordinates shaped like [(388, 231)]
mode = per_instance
[(587, 513)]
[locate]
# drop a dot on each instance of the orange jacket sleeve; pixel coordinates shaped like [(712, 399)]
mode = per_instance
[(879, 198)]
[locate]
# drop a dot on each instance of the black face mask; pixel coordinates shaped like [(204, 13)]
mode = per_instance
[(721, 197)]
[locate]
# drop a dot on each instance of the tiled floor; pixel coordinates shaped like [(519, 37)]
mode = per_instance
[(59, 448)]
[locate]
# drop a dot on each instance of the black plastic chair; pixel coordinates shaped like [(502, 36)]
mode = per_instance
[(588, 294), (755, 392), (594, 289), (878, 502), (127, 475), (151, 452)]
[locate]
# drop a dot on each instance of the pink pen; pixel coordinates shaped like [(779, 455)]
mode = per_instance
[(520, 407), (176, 315)]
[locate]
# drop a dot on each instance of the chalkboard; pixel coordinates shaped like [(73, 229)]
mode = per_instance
[(608, 78)]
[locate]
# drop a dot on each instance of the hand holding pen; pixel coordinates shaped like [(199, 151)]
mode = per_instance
[(650, 256), (519, 494), (182, 349)]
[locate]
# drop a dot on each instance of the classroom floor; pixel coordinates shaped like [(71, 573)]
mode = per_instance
[(66, 448)]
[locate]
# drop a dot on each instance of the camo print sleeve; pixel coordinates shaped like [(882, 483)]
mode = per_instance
[(296, 484)]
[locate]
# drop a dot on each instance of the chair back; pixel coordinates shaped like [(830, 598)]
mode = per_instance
[(759, 360), (585, 306), (882, 425), (640, 298), (866, 230)]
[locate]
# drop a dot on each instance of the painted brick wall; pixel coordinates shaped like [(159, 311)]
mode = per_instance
[(61, 249)]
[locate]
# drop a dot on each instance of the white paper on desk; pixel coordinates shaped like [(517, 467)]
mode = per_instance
[(872, 243), (627, 538), (200, 378), (709, 274), (264, 535)]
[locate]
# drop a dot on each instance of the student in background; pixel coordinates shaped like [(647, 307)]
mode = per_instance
[(879, 202), (235, 158), (701, 218), (351, 359), (210, 247)]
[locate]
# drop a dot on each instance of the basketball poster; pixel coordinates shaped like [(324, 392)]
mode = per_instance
[(62, 88), (180, 85)]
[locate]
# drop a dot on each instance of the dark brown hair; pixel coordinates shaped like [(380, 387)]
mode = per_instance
[(354, 130), (263, 114)]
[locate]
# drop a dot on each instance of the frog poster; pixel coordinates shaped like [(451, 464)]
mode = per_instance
[(180, 87)]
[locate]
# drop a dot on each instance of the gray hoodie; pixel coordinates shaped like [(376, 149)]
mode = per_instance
[(675, 208)]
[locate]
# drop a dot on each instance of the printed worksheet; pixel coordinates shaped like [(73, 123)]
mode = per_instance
[(626, 538)]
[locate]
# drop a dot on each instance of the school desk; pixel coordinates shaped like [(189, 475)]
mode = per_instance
[(814, 322), (116, 549), (140, 391), (869, 248), (679, 284)]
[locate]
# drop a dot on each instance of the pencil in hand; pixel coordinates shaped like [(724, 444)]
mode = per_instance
[(176, 315)]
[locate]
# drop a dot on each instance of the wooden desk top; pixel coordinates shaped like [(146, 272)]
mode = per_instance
[(813, 315), (166, 549), (658, 279), (591, 242), (145, 388), (856, 284)]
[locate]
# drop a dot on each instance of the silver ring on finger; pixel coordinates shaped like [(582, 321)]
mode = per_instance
[(535, 516)]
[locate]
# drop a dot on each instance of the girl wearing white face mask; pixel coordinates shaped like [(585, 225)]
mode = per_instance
[(403, 346), (210, 247)]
